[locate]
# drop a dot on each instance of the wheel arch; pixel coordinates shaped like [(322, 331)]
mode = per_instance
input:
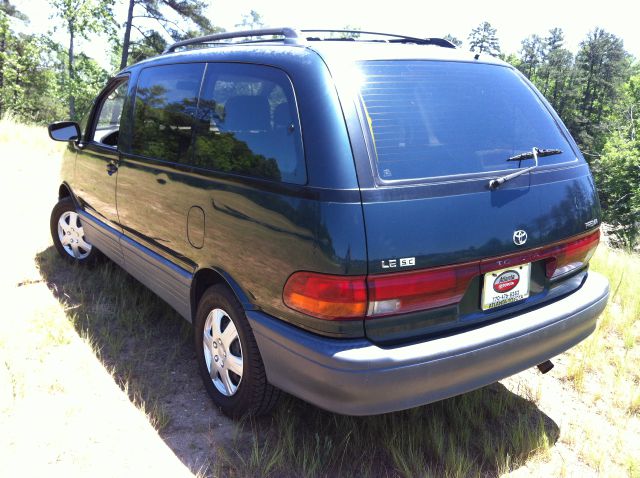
[(209, 276), (65, 191)]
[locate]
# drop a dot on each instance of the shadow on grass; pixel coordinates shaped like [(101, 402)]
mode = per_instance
[(148, 348)]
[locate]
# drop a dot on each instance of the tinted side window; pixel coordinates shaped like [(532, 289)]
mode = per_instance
[(247, 123), (108, 122), (166, 101)]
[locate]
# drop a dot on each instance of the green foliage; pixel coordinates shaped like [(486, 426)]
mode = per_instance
[(551, 68), (81, 18), (85, 17), (456, 41), (89, 79), (602, 65), (350, 34), (618, 168), (251, 21), (151, 44), (192, 10), (169, 16), (35, 82), (483, 39), (598, 99), (10, 10), (27, 77)]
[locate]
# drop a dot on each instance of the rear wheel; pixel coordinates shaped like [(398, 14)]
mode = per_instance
[(68, 234), (228, 357)]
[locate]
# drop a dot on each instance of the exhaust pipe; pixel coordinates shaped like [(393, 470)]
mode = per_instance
[(544, 367)]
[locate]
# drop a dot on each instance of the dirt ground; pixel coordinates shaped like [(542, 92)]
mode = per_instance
[(60, 405)]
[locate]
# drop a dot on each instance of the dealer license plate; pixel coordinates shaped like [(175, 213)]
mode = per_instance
[(505, 286)]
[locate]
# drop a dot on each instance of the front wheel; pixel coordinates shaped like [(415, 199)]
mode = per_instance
[(68, 234), (228, 357)]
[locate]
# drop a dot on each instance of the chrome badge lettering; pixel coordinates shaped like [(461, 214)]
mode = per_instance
[(408, 261), (591, 223), (403, 262)]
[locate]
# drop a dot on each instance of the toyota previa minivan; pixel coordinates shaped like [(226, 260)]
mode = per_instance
[(368, 224)]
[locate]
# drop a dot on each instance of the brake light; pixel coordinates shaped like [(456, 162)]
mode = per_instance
[(333, 297), (410, 291), (571, 255), (354, 297)]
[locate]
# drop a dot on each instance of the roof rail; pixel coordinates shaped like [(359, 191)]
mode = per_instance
[(290, 35), (293, 36), (394, 38)]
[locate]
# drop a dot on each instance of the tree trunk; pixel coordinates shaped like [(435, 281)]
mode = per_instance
[(127, 36), (72, 60)]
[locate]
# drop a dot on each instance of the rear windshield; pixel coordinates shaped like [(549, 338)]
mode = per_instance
[(436, 118)]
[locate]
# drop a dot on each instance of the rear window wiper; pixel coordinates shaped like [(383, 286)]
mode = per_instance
[(534, 154)]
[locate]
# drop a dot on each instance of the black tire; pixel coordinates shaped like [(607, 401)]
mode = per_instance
[(66, 206), (254, 395)]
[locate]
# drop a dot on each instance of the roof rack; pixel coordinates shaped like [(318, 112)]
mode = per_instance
[(290, 36), (394, 38), (296, 37)]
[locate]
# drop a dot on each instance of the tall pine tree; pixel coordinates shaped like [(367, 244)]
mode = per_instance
[(483, 39), (602, 66), (160, 12)]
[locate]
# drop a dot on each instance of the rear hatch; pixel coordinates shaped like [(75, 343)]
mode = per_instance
[(446, 250)]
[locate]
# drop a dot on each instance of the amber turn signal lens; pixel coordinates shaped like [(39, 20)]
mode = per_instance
[(327, 296)]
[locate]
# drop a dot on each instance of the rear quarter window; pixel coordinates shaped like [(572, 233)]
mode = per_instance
[(436, 118), (247, 123)]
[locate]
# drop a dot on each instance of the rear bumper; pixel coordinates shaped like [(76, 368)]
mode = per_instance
[(357, 377)]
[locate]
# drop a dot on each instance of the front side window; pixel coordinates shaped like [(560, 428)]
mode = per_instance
[(438, 118), (108, 123), (165, 106), (247, 123)]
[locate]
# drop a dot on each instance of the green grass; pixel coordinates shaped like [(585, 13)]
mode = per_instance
[(487, 431), (484, 432), (127, 326), (612, 351)]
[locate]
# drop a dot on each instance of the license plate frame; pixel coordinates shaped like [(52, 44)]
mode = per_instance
[(499, 289)]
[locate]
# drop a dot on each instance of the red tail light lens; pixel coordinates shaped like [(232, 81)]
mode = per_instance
[(326, 296), (332, 297), (571, 255), (410, 291), (352, 297)]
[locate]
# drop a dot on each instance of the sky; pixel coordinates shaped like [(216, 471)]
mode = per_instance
[(514, 20)]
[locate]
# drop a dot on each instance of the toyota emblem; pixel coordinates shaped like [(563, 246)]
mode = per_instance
[(519, 237)]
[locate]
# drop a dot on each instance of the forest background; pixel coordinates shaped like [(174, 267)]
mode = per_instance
[(596, 90)]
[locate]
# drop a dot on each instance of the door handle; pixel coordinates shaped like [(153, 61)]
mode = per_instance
[(111, 169)]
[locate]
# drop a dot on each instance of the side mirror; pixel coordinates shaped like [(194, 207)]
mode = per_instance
[(64, 131)]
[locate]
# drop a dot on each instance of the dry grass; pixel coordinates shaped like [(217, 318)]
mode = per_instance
[(61, 412), (97, 376)]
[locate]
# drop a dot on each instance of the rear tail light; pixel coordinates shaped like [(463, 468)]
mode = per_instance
[(333, 297), (391, 294), (572, 255), (326, 296), (354, 297)]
